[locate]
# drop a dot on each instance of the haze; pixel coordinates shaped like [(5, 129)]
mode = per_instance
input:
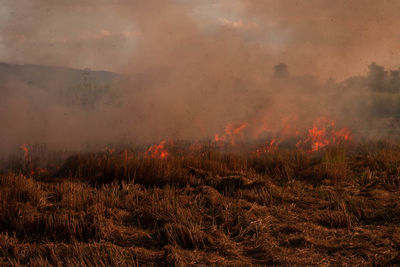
[(190, 67), (310, 36)]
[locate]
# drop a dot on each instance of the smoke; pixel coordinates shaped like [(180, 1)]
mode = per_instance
[(185, 73), (333, 38)]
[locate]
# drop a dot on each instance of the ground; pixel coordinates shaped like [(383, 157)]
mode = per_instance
[(205, 206)]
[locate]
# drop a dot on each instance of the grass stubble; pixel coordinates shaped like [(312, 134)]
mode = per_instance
[(205, 206)]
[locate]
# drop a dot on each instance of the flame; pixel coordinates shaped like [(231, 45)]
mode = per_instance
[(343, 135), (219, 138), (25, 148), (110, 150), (126, 156), (323, 133), (272, 145), (318, 138), (288, 129), (29, 164), (27, 159), (158, 150), (232, 133)]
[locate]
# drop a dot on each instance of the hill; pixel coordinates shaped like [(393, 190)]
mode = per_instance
[(53, 77)]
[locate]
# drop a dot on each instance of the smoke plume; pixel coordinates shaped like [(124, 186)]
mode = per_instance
[(188, 69)]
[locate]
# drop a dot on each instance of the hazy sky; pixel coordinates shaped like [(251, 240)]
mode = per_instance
[(327, 38)]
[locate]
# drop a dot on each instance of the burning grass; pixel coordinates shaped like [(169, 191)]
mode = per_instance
[(203, 204)]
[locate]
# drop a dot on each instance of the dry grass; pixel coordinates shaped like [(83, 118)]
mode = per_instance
[(338, 206)]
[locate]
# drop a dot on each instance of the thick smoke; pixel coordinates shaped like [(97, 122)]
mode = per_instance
[(180, 79)]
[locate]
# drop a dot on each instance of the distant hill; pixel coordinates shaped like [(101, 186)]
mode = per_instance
[(50, 77)]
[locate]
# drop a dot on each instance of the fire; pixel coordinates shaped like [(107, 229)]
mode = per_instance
[(158, 150), (343, 135), (25, 148), (126, 155), (232, 133), (323, 133), (29, 164), (318, 139), (272, 145), (110, 150)]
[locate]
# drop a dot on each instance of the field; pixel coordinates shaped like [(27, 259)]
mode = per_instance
[(192, 204)]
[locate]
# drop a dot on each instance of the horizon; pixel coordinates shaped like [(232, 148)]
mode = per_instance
[(113, 35)]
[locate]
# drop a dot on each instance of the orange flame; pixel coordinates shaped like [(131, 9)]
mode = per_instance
[(158, 150), (110, 150), (343, 135), (324, 133), (318, 139), (29, 164), (232, 133), (272, 145), (25, 148)]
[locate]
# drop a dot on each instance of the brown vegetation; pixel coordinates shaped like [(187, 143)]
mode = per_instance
[(206, 206)]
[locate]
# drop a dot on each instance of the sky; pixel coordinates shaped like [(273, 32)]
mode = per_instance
[(323, 37)]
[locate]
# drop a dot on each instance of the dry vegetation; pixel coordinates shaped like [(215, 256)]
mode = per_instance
[(203, 205)]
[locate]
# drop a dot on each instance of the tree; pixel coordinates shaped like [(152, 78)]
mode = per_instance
[(377, 77), (280, 71)]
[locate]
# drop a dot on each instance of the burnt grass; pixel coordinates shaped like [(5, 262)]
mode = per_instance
[(205, 206)]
